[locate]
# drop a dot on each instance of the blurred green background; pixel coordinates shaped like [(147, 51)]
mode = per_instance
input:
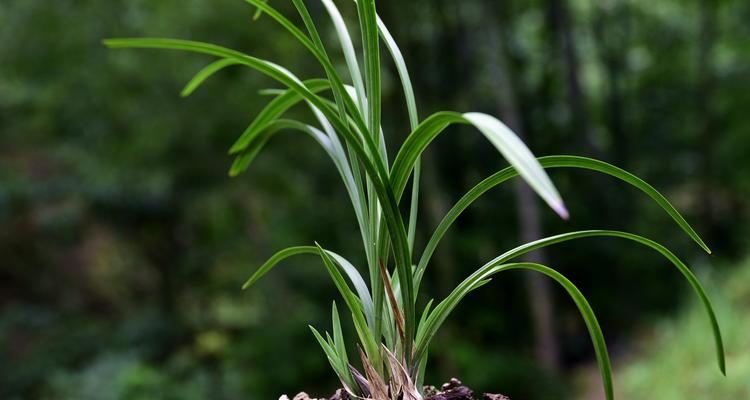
[(123, 243)]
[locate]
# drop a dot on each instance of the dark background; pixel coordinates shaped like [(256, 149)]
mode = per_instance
[(123, 242)]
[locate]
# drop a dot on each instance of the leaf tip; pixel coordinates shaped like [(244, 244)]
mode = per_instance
[(706, 249), (258, 12), (560, 209)]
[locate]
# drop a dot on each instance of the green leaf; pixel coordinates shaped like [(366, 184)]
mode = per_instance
[(353, 166), (371, 48), (509, 145), (360, 325), (597, 338), (342, 263), (204, 74), (411, 106), (258, 12), (403, 73), (356, 306), (374, 167), (339, 345), (425, 313), (549, 162), (329, 142), (447, 305), (248, 154), (319, 55), (338, 336), (275, 260), (274, 109), (340, 365), (268, 68), (358, 282), (519, 156), (338, 94), (349, 55)]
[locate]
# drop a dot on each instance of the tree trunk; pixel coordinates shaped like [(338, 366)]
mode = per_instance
[(559, 20), (546, 347), (611, 28), (706, 122)]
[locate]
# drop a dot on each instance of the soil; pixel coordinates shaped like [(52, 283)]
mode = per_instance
[(455, 390), (452, 390)]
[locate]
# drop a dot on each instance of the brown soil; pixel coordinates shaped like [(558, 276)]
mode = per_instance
[(453, 390)]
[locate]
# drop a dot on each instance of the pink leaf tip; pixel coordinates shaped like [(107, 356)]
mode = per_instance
[(560, 209)]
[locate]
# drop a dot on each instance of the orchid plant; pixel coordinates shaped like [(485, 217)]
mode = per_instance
[(393, 331)]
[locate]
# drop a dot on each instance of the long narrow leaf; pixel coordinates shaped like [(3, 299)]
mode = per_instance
[(353, 168), (373, 167), (340, 367), (360, 325), (496, 132), (275, 108), (338, 335), (516, 152), (371, 47), (371, 52), (329, 142), (204, 74), (445, 307), (597, 338), (550, 162), (336, 82), (403, 73), (351, 272), (349, 55), (411, 106), (338, 94)]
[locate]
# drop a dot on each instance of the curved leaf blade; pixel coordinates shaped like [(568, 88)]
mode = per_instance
[(339, 364), (509, 145), (519, 156), (587, 313), (371, 49), (354, 304), (274, 109), (345, 40), (317, 52), (560, 161), (445, 307), (411, 106), (374, 167), (342, 263), (204, 74)]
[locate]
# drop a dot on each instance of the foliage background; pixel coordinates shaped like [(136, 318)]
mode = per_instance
[(123, 243)]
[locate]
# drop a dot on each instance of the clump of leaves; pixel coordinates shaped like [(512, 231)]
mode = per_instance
[(393, 340)]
